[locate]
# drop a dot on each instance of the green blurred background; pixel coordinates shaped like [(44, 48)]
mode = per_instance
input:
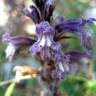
[(12, 19)]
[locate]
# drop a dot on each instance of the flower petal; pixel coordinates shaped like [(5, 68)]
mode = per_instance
[(35, 48), (49, 8), (15, 43), (10, 51), (21, 41), (33, 13), (76, 26)]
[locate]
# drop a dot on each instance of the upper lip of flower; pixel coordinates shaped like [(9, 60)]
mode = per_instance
[(45, 33), (15, 43), (43, 10), (33, 13)]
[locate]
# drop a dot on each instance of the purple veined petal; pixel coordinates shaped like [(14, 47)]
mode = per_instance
[(91, 20), (74, 22), (45, 34), (17, 40), (49, 8), (10, 51), (32, 13), (70, 26), (49, 52), (76, 56), (44, 28), (15, 43), (77, 26), (44, 53), (21, 41)]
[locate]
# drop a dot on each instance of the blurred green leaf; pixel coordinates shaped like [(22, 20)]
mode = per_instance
[(90, 85), (10, 89)]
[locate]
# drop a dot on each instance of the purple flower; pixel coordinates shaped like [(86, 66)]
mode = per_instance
[(92, 20), (49, 8), (47, 46), (48, 49), (76, 26), (43, 10), (61, 68), (15, 43), (78, 61), (32, 13), (76, 56), (45, 34), (71, 25)]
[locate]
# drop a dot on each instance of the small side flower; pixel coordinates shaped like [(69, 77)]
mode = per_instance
[(15, 43)]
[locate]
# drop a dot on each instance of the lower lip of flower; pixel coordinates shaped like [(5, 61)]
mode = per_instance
[(42, 41), (61, 67), (45, 41)]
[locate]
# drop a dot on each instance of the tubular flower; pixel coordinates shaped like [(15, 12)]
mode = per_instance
[(42, 11), (78, 27), (49, 49), (45, 34), (49, 8), (78, 60), (15, 43), (33, 13)]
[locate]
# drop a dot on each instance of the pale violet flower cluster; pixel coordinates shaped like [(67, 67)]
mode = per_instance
[(56, 63)]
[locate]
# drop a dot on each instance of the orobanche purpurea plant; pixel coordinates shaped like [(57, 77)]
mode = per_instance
[(46, 46)]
